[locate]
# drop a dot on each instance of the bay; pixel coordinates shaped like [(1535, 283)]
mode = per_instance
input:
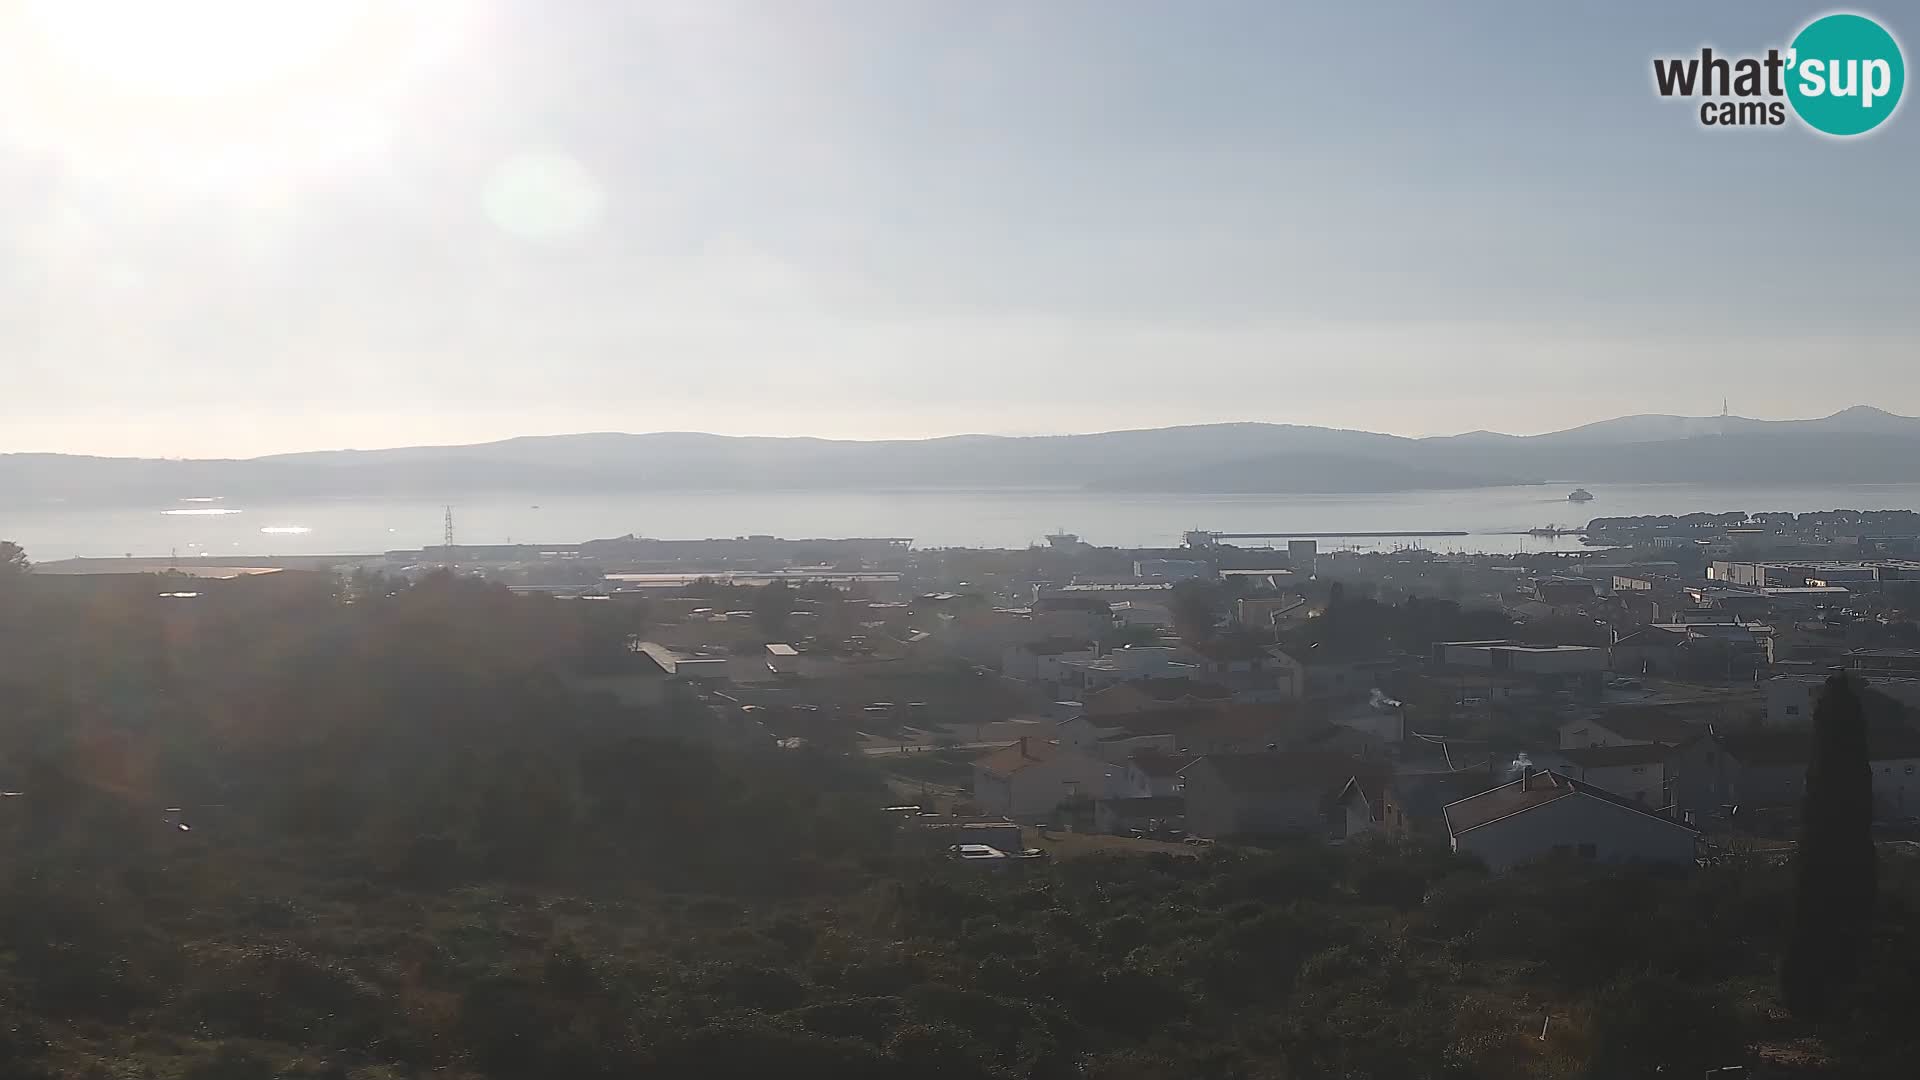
[(932, 518)]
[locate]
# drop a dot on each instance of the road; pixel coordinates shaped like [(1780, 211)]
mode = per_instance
[(914, 748)]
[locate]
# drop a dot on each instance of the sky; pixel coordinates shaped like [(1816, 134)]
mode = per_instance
[(269, 225)]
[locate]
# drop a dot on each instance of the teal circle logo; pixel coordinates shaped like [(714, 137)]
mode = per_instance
[(1845, 74)]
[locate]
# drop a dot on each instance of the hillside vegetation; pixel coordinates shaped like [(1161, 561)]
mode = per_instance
[(366, 832)]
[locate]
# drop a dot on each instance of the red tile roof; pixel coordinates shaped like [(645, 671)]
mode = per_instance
[(1021, 755), (1530, 791), (1602, 757)]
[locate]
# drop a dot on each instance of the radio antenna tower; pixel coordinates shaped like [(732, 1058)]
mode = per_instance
[(446, 535)]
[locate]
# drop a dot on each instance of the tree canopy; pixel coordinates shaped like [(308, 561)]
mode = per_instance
[(1834, 899)]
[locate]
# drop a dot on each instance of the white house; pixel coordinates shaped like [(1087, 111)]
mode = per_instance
[(1234, 655), (1543, 814), (1125, 664), (1268, 793), (1791, 698), (1028, 780), (1042, 661), (1139, 613), (1637, 771), (1152, 774)]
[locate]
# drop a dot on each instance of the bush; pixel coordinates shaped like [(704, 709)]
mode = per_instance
[(870, 1018), (1650, 1023), (750, 1051)]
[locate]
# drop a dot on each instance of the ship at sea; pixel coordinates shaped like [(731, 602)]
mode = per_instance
[(1580, 495)]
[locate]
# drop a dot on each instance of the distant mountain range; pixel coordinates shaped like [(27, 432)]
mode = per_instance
[(1857, 445)]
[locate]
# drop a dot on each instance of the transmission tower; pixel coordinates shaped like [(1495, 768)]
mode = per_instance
[(446, 535)]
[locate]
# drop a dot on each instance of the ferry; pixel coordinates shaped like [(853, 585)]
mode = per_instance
[(1580, 495)]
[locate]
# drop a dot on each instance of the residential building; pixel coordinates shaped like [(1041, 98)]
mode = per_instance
[(1884, 661), (1542, 814), (1084, 617), (1148, 694), (1806, 598), (982, 634), (1791, 698), (1045, 661), (1650, 650), (1628, 727), (1767, 769), (1718, 638), (1369, 803), (783, 659), (1475, 688), (1127, 664), (1171, 569), (1317, 675), (1547, 667), (1106, 592), (1229, 728), (1152, 814), (1029, 780), (1153, 774), (1141, 613), (1302, 555), (1267, 616), (1636, 771), (1565, 594), (1264, 794), (1233, 654)]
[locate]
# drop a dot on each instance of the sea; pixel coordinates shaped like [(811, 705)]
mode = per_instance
[(211, 525)]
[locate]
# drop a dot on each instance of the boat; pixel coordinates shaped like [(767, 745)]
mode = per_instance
[(1580, 495)]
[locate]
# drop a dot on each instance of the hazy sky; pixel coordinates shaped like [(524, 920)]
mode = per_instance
[(232, 235)]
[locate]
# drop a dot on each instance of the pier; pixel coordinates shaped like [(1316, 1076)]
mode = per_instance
[(1207, 538)]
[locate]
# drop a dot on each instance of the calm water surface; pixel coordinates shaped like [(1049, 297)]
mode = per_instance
[(983, 519)]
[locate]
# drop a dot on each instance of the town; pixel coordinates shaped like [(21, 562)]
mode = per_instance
[(1648, 699)]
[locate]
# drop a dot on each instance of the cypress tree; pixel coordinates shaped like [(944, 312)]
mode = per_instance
[(1836, 881)]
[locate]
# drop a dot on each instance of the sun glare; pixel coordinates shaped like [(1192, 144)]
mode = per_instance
[(218, 90), (191, 48)]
